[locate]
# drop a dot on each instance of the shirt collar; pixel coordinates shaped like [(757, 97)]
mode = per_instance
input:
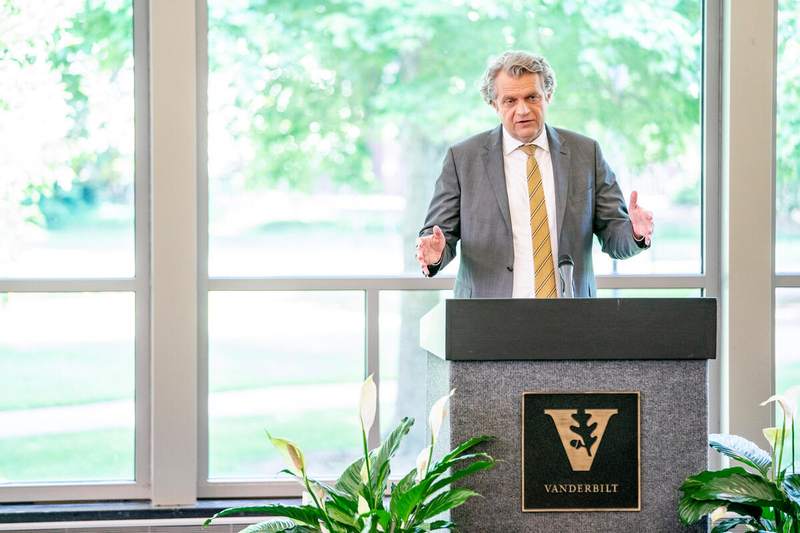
[(510, 143)]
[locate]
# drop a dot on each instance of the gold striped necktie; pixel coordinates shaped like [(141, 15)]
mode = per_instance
[(544, 272)]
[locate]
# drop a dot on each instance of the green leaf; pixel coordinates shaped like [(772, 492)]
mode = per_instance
[(727, 524), (691, 510), (383, 518), (693, 483), (445, 501), (465, 446), (344, 500), (409, 500), (270, 526), (472, 468), (342, 516), (305, 513), (398, 491), (449, 460), (437, 525), (380, 484), (370, 526), (791, 484), (387, 450), (742, 450), (350, 480), (340, 498), (736, 485), (442, 466)]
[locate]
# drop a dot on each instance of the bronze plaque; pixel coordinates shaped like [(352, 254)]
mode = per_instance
[(581, 451)]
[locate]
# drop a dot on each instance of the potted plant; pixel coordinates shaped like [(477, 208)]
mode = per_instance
[(356, 503), (767, 499)]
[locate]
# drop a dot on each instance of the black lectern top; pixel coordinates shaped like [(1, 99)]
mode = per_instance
[(571, 328)]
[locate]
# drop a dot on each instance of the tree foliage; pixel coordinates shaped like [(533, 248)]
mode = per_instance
[(84, 45), (325, 80), (321, 88), (788, 112)]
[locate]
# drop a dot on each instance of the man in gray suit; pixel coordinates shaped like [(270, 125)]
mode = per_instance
[(482, 196)]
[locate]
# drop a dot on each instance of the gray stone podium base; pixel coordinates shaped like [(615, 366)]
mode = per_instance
[(488, 401)]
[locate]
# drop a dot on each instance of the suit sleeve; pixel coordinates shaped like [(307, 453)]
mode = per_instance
[(445, 211), (611, 224)]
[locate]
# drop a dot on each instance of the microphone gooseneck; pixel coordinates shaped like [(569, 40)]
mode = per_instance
[(565, 265)]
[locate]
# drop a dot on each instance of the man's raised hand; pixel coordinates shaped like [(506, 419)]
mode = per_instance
[(642, 219), (429, 249)]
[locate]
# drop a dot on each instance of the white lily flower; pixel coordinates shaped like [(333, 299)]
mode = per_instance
[(363, 506), (438, 412), (368, 404), (319, 492), (364, 475), (775, 436), (307, 499), (787, 401), (422, 463), (718, 513), (291, 453)]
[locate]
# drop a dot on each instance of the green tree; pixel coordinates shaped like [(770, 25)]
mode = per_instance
[(323, 79), (87, 46), (788, 112), (318, 84)]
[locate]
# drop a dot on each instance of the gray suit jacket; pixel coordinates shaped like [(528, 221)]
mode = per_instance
[(470, 203)]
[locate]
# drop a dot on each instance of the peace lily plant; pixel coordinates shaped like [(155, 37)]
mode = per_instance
[(356, 503), (765, 500)]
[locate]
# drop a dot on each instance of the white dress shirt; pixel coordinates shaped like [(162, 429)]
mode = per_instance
[(514, 163)]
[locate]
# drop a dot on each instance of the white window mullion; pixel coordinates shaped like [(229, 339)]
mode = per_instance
[(373, 357), (711, 197), (174, 253), (201, 44), (141, 59), (748, 270)]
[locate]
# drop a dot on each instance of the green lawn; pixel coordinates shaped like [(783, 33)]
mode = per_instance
[(105, 455), (271, 361), (240, 448), (45, 376)]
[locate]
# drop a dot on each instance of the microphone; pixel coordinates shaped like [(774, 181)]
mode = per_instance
[(565, 265)]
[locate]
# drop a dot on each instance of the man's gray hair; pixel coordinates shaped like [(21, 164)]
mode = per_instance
[(515, 63)]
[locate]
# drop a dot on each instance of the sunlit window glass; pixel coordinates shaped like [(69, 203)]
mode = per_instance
[(403, 371), (649, 293), (66, 376), (328, 122), (67, 138), (787, 340), (290, 363), (787, 196)]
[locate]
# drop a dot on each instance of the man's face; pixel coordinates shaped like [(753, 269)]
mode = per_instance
[(521, 105)]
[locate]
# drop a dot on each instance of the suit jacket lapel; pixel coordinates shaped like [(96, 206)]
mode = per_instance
[(559, 155), (495, 170)]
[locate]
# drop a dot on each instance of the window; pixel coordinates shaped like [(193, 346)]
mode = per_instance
[(324, 129), (787, 249), (327, 127), (72, 282), (787, 207)]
